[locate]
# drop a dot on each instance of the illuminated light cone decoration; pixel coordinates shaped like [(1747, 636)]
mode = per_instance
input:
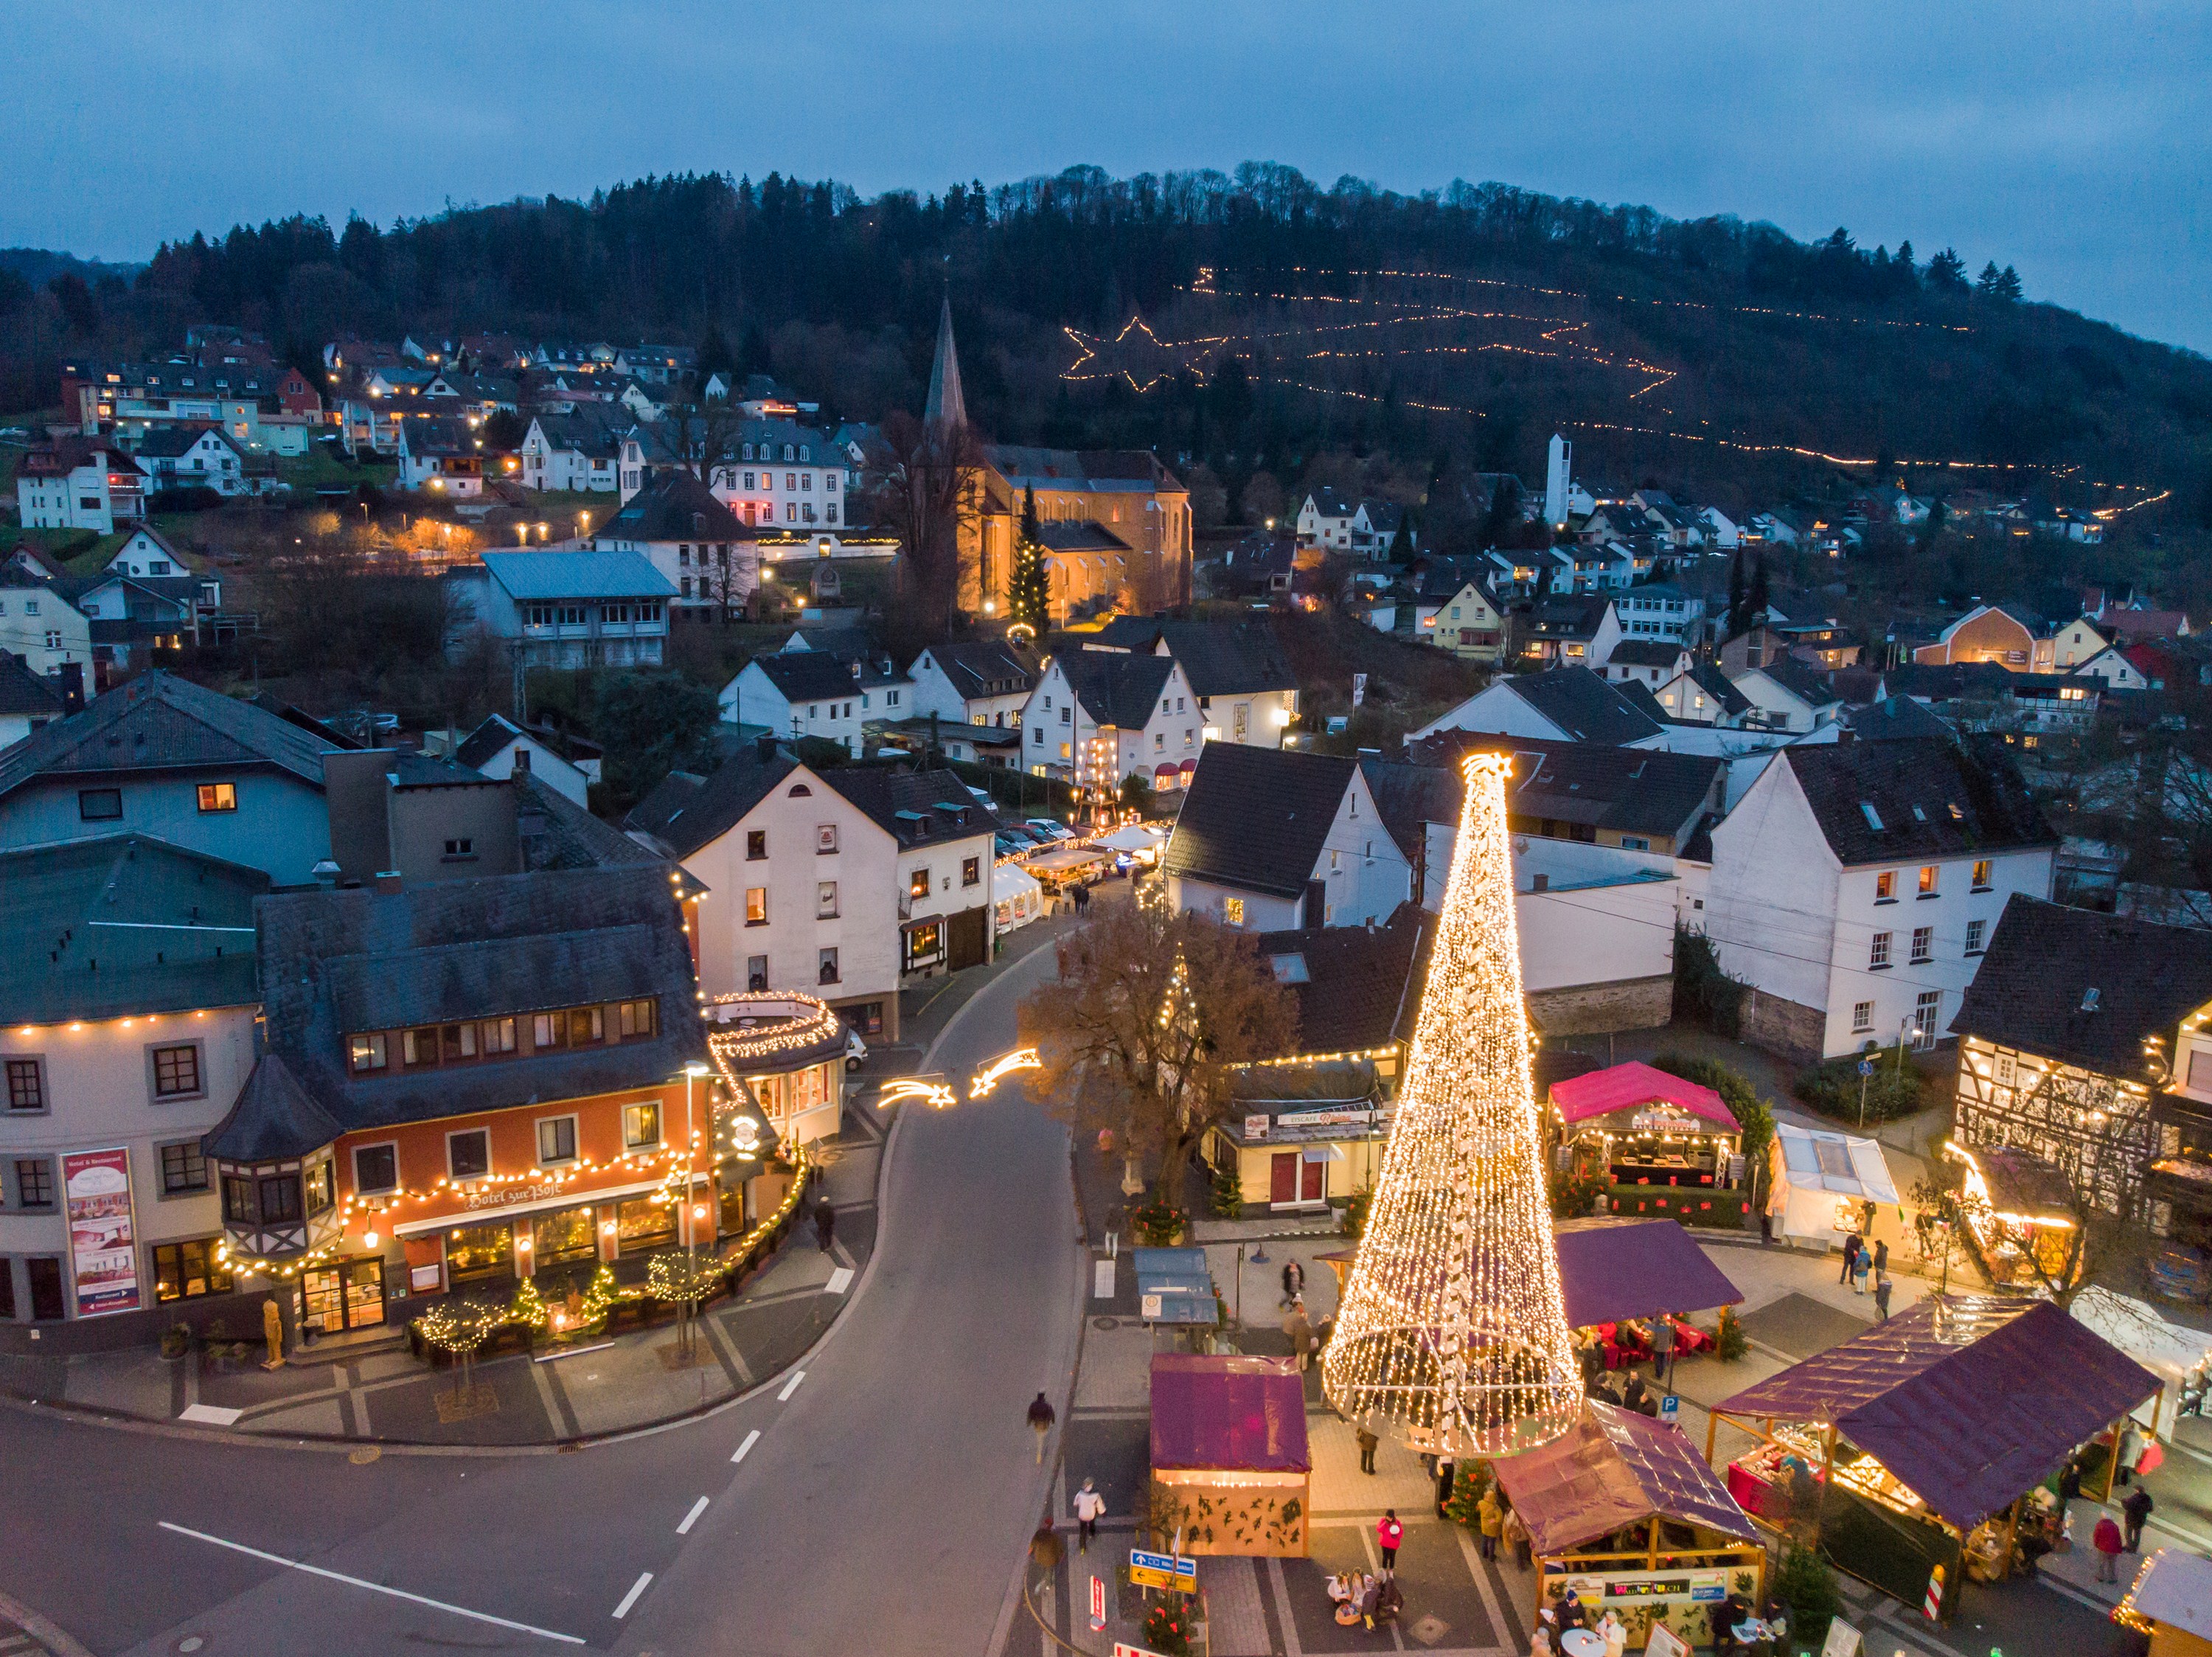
[(1453, 1325)]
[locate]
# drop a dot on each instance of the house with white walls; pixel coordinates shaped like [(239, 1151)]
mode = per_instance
[(1097, 717)]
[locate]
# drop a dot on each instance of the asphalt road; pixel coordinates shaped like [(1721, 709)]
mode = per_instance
[(882, 1502)]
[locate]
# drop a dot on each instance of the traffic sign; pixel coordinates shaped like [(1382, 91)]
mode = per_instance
[(1163, 1570), (1097, 1604), (1866, 1067), (1670, 1410), (1844, 1640)]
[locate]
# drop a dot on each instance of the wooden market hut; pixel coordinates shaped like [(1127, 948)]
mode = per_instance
[(1623, 1511), (1917, 1444), (1228, 1443), (1639, 1125)]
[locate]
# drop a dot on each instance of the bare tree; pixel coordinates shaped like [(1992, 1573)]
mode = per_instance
[(931, 495)]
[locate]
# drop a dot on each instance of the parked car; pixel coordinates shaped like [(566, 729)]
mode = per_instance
[(855, 1049), (1051, 829), (1008, 845)]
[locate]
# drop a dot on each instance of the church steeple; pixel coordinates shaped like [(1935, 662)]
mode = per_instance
[(946, 409)]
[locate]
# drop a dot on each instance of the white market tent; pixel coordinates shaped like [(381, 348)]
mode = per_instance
[(2174, 1589), (2166, 1349), (1820, 1179), (1137, 837), (1016, 895)]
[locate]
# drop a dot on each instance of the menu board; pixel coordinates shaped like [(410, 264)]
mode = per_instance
[(103, 1240)]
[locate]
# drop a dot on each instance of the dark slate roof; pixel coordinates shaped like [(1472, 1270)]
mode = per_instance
[(1708, 677), (554, 832), (1645, 653), (1947, 681), (1932, 799), (685, 811), (332, 963), (273, 1117), (1630, 791), (1576, 618), (1808, 684), (807, 675), (589, 432), (983, 667), (915, 807), (169, 442), (121, 926), (2043, 960), (1969, 1413), (1084, 469), (676, 506), (160, 723), (1240, 658), (1409, 796), (1586, 707), (1894, 719), (22, 692), (1080, 535), (1114, 688), (1256, 818), (487, 741), (1357, 987)]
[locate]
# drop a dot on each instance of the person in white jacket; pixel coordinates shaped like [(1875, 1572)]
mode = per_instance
[(1089, 1508)]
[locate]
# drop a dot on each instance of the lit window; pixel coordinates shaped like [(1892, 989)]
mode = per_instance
[(757, 905), (825, 900), (1885, 887), (1232, 911), (366, 1052), (1928, 879), (218, 796), (1982, 875), (917, 884)]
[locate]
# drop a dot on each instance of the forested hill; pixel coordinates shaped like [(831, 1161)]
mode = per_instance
[(1256, 320)]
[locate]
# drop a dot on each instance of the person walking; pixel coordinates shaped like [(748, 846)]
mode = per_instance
[(1489, 1520), (1515, 1537), (825, 1225), (2131, 1442), (1299, 1328), (2106, 1541), (1663, 1350), (1632, 1395), (1089, 1508), (1041, 1420), (1881, 1287), (1294, 1284), (1367, 1441), (1852, 1244), (1389, 1533), (1880, 1257), (2137, 1508)]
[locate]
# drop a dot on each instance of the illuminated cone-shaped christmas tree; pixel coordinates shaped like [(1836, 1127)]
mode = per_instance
[(1453, 1325)]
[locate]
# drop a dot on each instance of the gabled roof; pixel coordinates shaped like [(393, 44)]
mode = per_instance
[(1410, 796), (1947, 681), (686, 811), (1327, 504), (1808, 685), (2083, 987), (1613, 1469), (1239, 658), (1257, 818), (548, 575), (487, 741), (1357, 987), (675, 506), (1645, 653), (159, 722), (169, 442), (981, 668), (1894, 719), (23, 692), (594, 434), (1882, 802), (1576, 618), (1127, 470), (807, 675), (1629, 790), (1114, 688), (916, 807), (1584, 706)]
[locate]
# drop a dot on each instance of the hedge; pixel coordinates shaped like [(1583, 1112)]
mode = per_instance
[(1693, 1205)]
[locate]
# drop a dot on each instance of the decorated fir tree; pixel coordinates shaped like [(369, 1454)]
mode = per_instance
[(1028, 598)]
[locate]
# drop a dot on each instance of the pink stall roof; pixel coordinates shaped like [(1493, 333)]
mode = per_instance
[(1634, 1087), (1612, 1469), (1228, 1413)]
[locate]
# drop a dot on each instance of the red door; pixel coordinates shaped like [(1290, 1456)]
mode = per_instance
[(1282, 1177), (1310, 1182)]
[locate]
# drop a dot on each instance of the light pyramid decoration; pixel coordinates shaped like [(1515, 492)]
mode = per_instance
[(1453, 1325)]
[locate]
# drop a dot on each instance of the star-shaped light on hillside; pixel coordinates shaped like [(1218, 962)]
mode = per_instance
[(1136, 355)]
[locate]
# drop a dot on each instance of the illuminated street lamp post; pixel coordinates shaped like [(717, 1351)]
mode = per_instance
[(691, 1073)]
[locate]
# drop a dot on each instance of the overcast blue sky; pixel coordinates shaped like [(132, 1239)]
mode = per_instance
[(2070, 139)]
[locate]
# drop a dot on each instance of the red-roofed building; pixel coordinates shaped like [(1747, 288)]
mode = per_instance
[(1634, 1124)]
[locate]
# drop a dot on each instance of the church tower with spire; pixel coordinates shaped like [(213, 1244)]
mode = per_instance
[(946, 410)]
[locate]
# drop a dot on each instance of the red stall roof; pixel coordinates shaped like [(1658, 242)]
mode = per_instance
[(1616, 1269), (1631, 1086), (1229, 1413), (1968, 1412), (1611, 1469)]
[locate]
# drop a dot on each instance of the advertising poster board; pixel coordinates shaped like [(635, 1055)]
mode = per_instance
[(103, 1238)]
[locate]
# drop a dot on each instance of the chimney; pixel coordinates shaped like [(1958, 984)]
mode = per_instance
[(764, 749), (387, 881)]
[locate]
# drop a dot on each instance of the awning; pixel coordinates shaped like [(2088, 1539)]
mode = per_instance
[(1163, 773), (1610, 1270), (1011, 881), (1968, 1412), (1612, 1469), (1820, 1178), (1136, 836), (1229, 1414)]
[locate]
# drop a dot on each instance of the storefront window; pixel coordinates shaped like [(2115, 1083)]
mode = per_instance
[(475, 1252), (640, 1223), (184, 1271), (730, 1178), (924, 944), (558, 1238), (640, 1126)]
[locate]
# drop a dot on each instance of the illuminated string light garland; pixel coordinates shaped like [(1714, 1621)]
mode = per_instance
[(1452, 1323), (1022, 1058)]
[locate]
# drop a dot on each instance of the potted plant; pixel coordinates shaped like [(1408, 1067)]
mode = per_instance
[(176, 1341)]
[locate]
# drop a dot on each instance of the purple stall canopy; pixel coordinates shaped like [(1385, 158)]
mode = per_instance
[(1616, 1268), (1230, 1413), (1968, 1402), (1612, 1469)]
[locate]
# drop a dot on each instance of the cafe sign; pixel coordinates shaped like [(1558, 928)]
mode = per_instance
[(1665, 1119), (503, 1196)]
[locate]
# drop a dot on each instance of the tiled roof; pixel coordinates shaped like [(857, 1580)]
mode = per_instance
[(984, 667), (1357, 987), (2045, 961), (1082, 535), (1577, 619), (547, 575), (916, 807), (1257, 818), (685, 811), (1627, 790), (22, 692), (168, 442), (159, 722), (1894, 719), (1613, 1470), (676, 506), (1878, 802), (807, 675), (1584, 706), (1116, 689), (1093, 469), (1644, 653), (1217, 658), (1408, 797)]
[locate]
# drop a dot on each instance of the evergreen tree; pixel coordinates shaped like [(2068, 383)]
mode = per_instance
[(1402, 539), (1947, 271), (1986, 283), (1758, 599), (1904, 260), (1735, 592), (1028, 598), (2008, 285)]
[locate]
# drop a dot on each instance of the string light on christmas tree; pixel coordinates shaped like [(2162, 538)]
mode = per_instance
[(1453, 1325)]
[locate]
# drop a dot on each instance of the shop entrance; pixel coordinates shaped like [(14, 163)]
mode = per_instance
[(348, 1295), (1291, 1179)]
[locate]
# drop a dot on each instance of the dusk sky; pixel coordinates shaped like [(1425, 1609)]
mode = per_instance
[(2069, 140)]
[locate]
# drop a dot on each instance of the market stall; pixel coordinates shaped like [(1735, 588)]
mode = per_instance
[(2179, 1357), (1925, 1441), (1071, 866), (2172, 1602), (1016, 895), (1639, 1125), (1621, 1511), (1229, 1446), (2019, 1213), (1822, 1182), (1138, 844), (1619, 1275), (1301, 1134)]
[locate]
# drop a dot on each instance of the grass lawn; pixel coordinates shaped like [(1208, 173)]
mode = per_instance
[(318, 469)]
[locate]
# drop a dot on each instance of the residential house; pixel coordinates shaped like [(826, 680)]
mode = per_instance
[(1569, 632), (500, 748), (1722, 532), (1626, 798), (1325, 520), (2082, 1042), (1454, 611), (1260, 566), (466, 1085), (1855, 885), (128, 619), (1787, 695), (1098, 717), (1824, 645), (1893, 719), (566, 609), (777, 473), (79, 482), (983, 682), (50, 636), (1649, 662), (27, 700), (1245, 689), (130, 1004), (1517, 575), (1563, 704), (799, 693), (846, 882), (1701, 694), (575, 454), (1375, 527), (2080, 640), (2130, 624), (1990, 632), (1279, 840), (194, 457), (442, 455), (1661, 610), (1779, 528), (698, 545), (2116, 669)]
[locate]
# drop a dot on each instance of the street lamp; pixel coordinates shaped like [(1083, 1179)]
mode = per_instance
[(692, 1072)]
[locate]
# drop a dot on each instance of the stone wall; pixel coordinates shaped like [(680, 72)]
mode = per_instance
[(1588, 1008), (1784, 1028)]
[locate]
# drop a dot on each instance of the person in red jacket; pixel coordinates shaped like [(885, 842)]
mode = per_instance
[(2106, 1540), (1389, 1533)]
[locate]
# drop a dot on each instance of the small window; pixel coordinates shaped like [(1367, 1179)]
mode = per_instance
[(557, 1139), (366, 1052), (755, 844), (100, 805), (640, 1126), (637, 1018), (1861, 1017), (825, 839), (185, 1271), (1878, 951), (460, 848), (755, 905), (917, 884), (1981, 882), (34, 1182), (376, 1168), (828, 969), (177, 1071), (1924, 945), (1232, 911), (1885, 887), (496, 1036), (1976, 931), (418, 1047), (322, 1185), (971, 872), (184, 1168), (278, 1195), (218, 796), (1928, 879), (468, 1153), (755, 972), (825, 900), (586, 1024), (26, 1084)]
